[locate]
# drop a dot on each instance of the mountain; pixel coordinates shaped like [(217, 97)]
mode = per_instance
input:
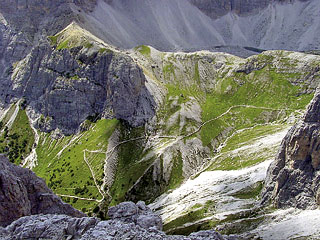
[(195, 25), (93, 101)]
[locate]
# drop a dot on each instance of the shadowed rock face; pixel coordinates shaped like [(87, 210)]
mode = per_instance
[(215, 9), (191, 25), (293, 179), (22, 193)]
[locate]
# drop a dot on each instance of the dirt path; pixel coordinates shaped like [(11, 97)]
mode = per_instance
[(81, 198), (102, 193), (228, 111)]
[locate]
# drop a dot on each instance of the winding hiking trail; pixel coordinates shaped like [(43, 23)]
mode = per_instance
[(228, 111), (80, 198), (177, 138)]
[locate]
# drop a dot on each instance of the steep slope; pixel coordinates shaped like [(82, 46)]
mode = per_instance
[(196, 25), (193, 104), (65, 87), (166, 25)]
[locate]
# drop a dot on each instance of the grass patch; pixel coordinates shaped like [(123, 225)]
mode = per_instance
[(144, 50), (168, 71), (67, 173), (129, 169), (263, 88), (176, 226), (176, 177), (53, 40), (234, 163), (63, 45), (250, 192), (102, 50), (249, 136), (75, 77), (17, 142), (88, 45)]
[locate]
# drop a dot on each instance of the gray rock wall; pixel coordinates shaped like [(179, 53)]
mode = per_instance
[(67, 86), (293, 179)]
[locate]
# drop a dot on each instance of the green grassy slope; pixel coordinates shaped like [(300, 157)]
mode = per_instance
[(61, 162), (16, 141)]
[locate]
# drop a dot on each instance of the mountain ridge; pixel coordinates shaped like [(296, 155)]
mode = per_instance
[(103, 124)]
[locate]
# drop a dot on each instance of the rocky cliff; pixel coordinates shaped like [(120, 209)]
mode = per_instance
[(25, 26), (192, 25), (64, 85), (293, 178), (215, 9), (22, 193)]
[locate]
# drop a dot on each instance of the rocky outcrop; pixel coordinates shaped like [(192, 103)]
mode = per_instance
[(138, 214), (293, 179), (206, 24), (65, 87), (56, 227), (22, 193), (215, 9)]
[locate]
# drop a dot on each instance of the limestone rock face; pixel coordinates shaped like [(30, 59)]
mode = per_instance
[(293, 179), (65, 87), (22, 193)]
